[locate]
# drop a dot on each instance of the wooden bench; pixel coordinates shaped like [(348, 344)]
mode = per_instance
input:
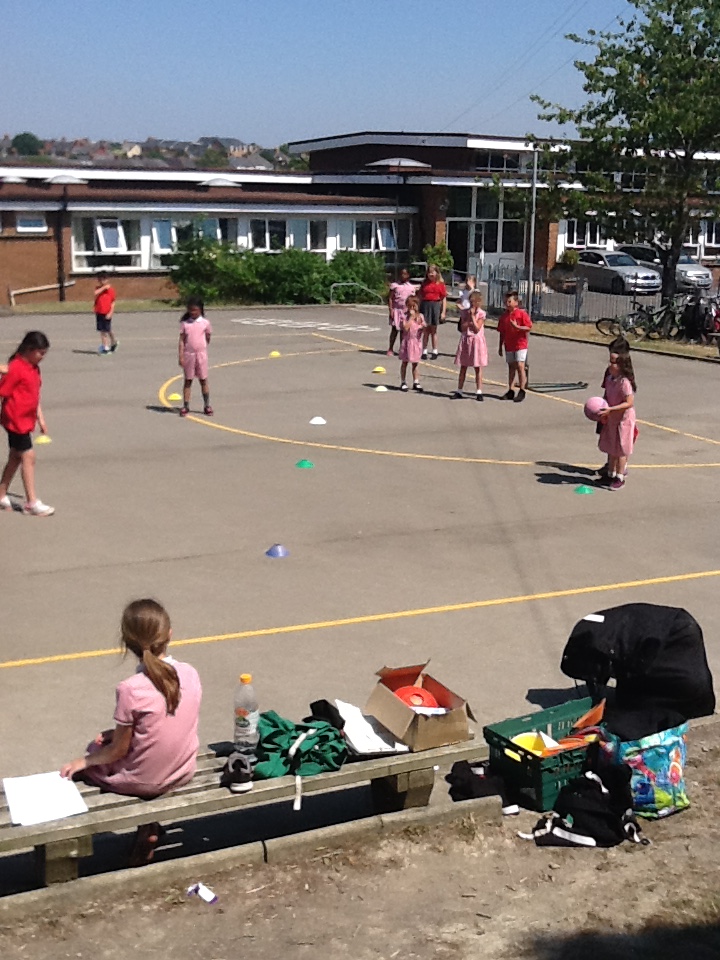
[(397, 782)]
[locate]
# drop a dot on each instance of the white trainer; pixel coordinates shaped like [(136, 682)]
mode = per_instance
[(38, 509), (5, 503)]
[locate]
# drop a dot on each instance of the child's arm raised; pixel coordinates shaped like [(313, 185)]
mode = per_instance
[(115, 750)]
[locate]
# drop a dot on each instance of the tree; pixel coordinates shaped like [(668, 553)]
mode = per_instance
[(27, 145), (214, 158), (651, 117)]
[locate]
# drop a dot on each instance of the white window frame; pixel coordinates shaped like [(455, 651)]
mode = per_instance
[(102, 241), (589, 227), (379, 235), (291, 235), (350, 229), (157, 248), (39, 228), (712, 233)]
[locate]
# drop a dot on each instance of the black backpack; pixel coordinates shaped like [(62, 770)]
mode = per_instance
[(589, 813)]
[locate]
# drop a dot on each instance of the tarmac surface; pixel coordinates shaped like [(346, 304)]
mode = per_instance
[(428, 529)]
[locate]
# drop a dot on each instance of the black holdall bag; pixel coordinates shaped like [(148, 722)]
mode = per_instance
[(655, 653)]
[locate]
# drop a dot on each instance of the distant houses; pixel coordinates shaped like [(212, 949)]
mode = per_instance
[(155, 153)]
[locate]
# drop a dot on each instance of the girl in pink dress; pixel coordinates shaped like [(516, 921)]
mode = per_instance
[(195, 333), (397, 301), (411, 345), (153, 748), (472, 350), (617, 435)]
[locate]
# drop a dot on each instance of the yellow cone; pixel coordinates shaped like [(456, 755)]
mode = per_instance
[(379, 370), (174, 396), (43, 438), (274, 353)]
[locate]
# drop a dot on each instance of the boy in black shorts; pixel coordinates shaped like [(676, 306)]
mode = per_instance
[(104, 308)]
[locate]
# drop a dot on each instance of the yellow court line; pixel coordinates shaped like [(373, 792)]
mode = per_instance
[(436, 457), (379, 617)]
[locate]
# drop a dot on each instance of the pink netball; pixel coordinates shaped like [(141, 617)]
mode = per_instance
[(594, 406)]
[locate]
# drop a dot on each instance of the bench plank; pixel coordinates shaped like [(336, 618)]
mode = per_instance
[(117, 814)]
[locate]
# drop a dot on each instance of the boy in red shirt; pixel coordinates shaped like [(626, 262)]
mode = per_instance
[(513, 326), (20, 394), (104, 308)]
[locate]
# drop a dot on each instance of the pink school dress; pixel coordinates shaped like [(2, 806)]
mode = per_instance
[(472, 349), (399, 292), (194, 334), (411, 346), (617, 436)]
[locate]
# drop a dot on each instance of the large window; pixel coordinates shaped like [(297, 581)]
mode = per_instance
[(106, 242), (268, 235), (307, 234)]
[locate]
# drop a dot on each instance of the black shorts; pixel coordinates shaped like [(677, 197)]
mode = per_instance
[(102, 323), (431, 310), (20, 442)]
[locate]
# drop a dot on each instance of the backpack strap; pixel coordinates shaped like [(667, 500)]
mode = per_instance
[(294, 747)]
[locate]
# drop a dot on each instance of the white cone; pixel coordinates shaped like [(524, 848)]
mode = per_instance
[(317, 421)]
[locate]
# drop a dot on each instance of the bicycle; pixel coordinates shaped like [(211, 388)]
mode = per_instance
[(646, 322)]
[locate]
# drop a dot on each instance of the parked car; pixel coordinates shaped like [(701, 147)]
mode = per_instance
[(690, 274), (616, 272)]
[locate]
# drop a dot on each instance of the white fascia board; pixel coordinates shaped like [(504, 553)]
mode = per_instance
[(362, 139), (30, 205), (266, 209), (151, 176), (491, 143)]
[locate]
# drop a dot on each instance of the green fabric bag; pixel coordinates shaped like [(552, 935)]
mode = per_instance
[(321, 751)]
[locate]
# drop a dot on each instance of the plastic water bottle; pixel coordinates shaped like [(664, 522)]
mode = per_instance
[(246, 718)]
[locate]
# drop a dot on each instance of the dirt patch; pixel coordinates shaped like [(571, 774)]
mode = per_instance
[(467, 890)]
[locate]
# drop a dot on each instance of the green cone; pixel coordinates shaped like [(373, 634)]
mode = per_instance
[(305, 464), (583, 489)]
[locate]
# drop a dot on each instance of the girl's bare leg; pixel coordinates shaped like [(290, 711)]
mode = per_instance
[(403, 371), (187, 387), (461, 377), (433, 335), (478, 378), (27, 469), (414, 373), (393, 338), (9, 472), (621, 466)]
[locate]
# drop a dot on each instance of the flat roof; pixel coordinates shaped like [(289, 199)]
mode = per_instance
[(464, 140)]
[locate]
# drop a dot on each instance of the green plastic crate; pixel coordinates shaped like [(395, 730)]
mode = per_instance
[(537, 779)]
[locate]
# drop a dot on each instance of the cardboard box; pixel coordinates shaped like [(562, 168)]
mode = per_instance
[(417, 731)]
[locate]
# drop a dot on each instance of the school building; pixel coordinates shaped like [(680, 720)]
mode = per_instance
[(374, 192)]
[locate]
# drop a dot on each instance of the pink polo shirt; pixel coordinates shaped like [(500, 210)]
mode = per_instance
[(163, 748)]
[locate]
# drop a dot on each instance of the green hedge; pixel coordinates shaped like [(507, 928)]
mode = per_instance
[(222, 273)]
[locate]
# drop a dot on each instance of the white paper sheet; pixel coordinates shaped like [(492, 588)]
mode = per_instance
[(365, 734), (42, 797)]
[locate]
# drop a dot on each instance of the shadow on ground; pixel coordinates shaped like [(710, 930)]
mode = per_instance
[(694, 942)]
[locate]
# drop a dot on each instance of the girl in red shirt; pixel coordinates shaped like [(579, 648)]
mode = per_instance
[(433, 306), (20, 394)]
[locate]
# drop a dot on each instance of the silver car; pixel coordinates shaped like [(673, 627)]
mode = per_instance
[(616, 272), (690, 274)]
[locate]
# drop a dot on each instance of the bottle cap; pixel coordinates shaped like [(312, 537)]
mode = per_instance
[(245, 678)]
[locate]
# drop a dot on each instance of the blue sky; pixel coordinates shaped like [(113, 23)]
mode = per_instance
[(275, 70)]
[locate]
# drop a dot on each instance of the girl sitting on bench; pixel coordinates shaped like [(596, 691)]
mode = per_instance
[(153, 748)]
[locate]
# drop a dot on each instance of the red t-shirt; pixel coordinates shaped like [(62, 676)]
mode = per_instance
[(514, 339), (20, 392), (432, 290), (104, 301)]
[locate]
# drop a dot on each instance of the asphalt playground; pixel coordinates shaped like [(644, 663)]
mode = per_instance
[(427, 528)]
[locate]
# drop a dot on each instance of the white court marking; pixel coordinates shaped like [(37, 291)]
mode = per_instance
[(305, 324)]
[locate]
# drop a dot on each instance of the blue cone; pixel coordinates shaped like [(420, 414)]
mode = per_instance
[(277, 550)]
